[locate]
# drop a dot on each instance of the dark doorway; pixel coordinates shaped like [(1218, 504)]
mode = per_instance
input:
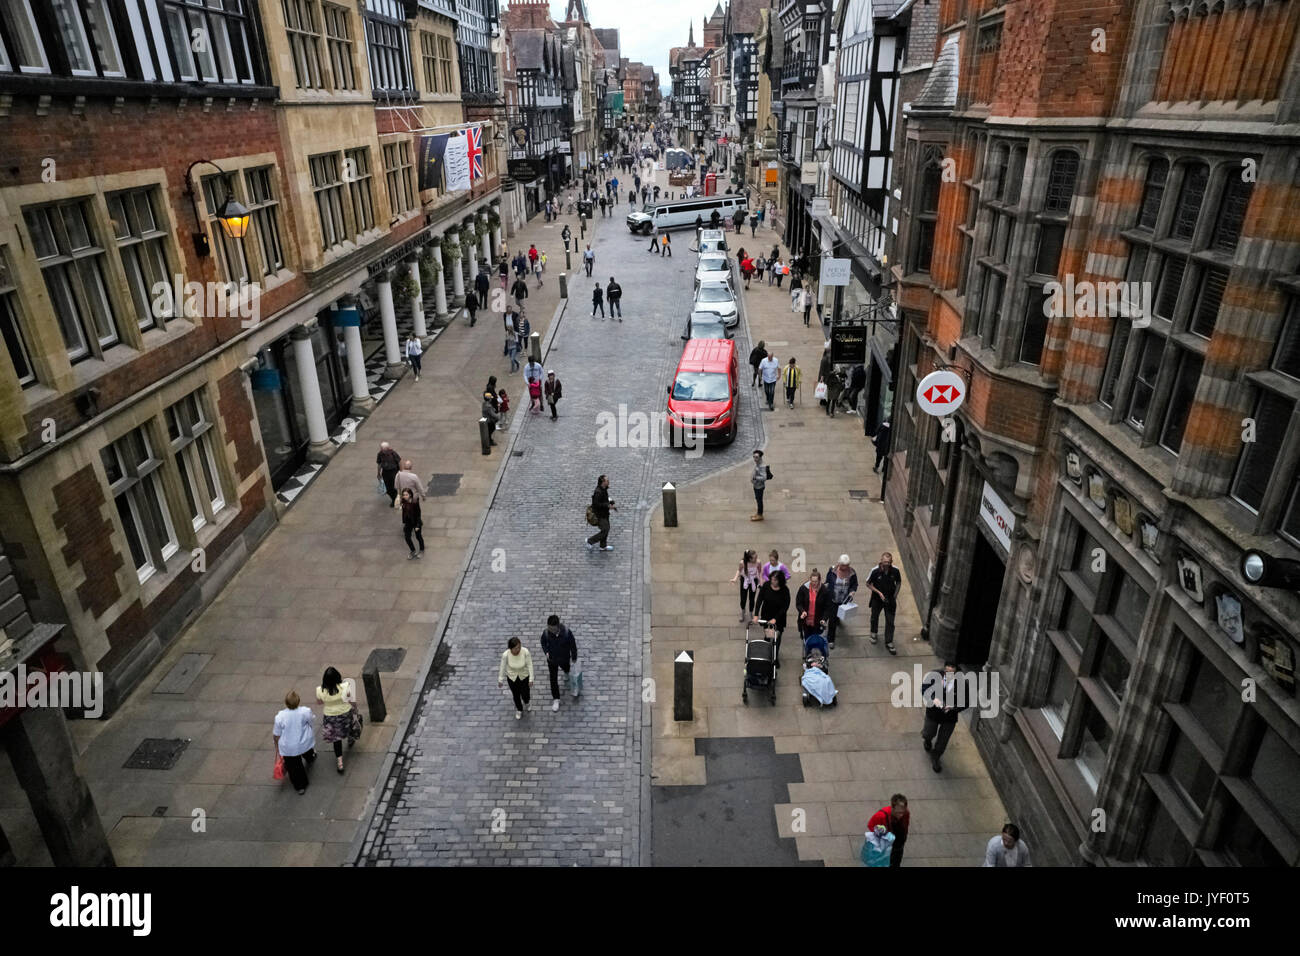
[(981, 612)]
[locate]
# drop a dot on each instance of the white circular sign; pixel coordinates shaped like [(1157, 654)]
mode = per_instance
[(941, 393)]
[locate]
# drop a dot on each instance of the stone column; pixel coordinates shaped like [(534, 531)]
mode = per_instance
[(362, 404), (468, 253), (388, 319), (487, 239), (496, 230), (314, 409), (440, 281), (457, 272), (44, 761), (417, 301), (945, 623)]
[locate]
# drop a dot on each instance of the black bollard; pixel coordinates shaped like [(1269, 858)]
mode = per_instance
[(485, 435), (374, 695), (670, 505), (683, 686)]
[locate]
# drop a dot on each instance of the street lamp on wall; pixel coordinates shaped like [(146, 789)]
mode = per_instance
[(232, 214)]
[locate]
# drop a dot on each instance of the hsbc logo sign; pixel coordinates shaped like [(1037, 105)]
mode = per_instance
[(941, 393)]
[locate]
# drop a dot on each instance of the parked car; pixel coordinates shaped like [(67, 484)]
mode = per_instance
[(713, 267), (703, 399), (718, 297), (706, 325)]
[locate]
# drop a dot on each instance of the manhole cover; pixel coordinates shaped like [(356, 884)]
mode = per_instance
[(156, 753), (859, 493), (385, 659), (441, 486)]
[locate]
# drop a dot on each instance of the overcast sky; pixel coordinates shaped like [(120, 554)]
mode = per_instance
[(646, 28)]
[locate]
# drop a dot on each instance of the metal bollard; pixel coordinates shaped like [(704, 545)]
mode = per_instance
[(374, 695), (683, 686), (485, 435), (568, 260), (670, 505), (535, 347), (564, 286)]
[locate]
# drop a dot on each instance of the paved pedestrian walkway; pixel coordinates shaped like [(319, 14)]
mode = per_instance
[(822, 503), (329, 585), (470, 784)]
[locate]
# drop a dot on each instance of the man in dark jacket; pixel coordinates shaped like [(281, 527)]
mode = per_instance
[(614, 293), (387, 464), (597, 301), (881, 441), (553, 391), (481, 282), (488, 411), (714, 218), (738, 220), (941, 694), (756, 356), (814, 603), (520, 291), (857, 382), (884, 582), (601, 505), (471, 306), (561, 650)]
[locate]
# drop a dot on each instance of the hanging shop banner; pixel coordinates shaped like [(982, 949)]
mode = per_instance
[(848, 344), (836, 271), (431, 153), (343, 318), (1000, 519), (456, 163), (266, 379)]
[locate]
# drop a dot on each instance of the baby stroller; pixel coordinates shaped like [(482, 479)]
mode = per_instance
[(816, 680), (760, 665)]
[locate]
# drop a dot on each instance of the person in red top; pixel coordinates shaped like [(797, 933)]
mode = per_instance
[(895, 818), (532, 256), (814, 604), (747, 269)]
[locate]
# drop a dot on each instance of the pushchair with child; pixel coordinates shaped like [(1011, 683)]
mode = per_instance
[(816, 680), (760, 665)]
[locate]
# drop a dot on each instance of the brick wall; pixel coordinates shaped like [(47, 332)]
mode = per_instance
[(80, 515), (236, 411)]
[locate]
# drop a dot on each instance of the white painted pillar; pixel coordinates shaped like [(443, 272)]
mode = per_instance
[(355, 357), (457, 272), (417, 301), (487, 240), (312, 406), (388, 319), (496, 232), (440, 282)]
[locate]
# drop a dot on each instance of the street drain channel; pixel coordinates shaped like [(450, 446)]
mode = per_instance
[(157, 753)]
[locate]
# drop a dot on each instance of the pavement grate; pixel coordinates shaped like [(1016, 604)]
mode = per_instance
[(160, 811), (385, 659), (443, 486), (157, 753), (859, 493), (181, 677), (519, 453)]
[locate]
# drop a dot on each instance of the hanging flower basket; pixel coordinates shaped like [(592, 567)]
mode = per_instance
[(450, 250)]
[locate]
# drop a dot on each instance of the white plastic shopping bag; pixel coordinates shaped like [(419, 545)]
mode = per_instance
[(847, 610)]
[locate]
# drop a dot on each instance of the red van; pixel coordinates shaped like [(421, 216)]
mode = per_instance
[(705, 391)]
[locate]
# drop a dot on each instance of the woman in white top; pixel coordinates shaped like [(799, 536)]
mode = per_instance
[(517, 669), (413, 353), (295, 740), (747, 575)]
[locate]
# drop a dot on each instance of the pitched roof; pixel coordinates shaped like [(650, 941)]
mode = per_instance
[(745, 15), (940, 90), (528, 48), (607, 36)]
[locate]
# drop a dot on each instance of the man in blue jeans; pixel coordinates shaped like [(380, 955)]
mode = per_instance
[(769, 370), (561, 651)]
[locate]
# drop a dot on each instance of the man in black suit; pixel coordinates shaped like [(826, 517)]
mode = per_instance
[(941, 694)]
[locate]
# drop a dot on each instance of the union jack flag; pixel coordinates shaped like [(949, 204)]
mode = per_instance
[(474, 149)]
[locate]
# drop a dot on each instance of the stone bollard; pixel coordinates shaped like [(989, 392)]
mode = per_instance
[(564, 285), (683, 686), (485, 435), (374, 695), (670, 505)]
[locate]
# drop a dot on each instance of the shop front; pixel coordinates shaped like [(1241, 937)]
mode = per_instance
[(278, 397)]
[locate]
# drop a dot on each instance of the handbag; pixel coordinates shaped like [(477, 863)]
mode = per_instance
[(820, 391), (591, 516), (278, 772), (354, 729), (770, 476)]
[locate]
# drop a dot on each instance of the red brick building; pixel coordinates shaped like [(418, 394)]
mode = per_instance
[(1100, 232)]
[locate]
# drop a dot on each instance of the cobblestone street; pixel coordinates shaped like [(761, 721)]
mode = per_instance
[(470, 784)]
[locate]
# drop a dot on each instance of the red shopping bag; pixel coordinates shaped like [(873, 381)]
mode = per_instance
[(278, 772)]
